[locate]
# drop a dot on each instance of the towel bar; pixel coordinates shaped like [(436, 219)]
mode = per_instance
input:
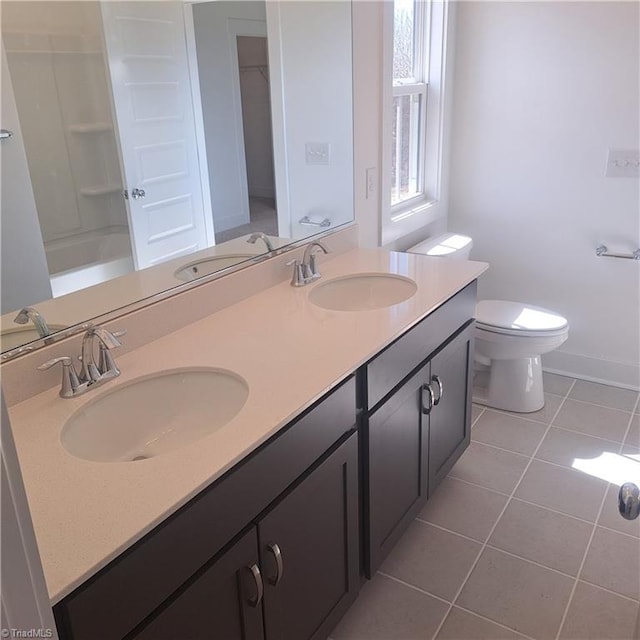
[(601, 250)]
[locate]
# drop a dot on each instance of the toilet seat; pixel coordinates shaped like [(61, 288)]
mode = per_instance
[(519, 319)]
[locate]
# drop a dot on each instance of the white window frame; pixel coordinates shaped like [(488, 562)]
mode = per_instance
[(408, 216)]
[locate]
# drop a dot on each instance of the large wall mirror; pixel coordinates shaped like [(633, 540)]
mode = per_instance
[(148, 144)]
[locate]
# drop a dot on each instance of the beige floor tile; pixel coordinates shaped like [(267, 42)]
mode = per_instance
[(537, 534), (613, 562), (595, 614), (611, 518), (565, 447), (563, 489), (432, 559), (518, 594), (476, 411), (461, 624), (593, 420), (603, 394), (546, 414), (464, 508), (387, 610), (489, 467), (633, 436), (554, 383), (508, 431)]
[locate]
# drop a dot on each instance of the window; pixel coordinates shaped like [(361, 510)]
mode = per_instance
[(414, 58), (409, 100)]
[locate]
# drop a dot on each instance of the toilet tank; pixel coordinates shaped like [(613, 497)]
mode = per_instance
[(449, 245)]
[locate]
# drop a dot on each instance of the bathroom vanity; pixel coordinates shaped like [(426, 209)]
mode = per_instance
[(265, 528)]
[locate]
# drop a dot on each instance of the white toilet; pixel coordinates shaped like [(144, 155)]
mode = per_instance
[(510, 337)]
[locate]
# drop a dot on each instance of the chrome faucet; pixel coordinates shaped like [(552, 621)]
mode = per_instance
[(91, 374), (29, 313), (307, 271), (261, 236), (106, 367)]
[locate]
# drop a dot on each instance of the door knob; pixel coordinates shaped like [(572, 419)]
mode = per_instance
[(629, 501), (136, 194)]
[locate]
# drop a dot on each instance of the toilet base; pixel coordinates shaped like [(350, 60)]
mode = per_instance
[(514, 385)]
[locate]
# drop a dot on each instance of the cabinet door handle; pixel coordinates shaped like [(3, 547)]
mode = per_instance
[(426, 408), (277, 555), (257, 578), (437, 380)]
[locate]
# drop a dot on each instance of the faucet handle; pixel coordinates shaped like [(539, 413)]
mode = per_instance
[(298, 279), (106, 364), (70, 382)]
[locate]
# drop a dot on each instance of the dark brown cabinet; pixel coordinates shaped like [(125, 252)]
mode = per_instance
[(398, 445), (450, 418), (222, 601), (416, 401), (275, 549), (301, 575), (271, 550), (309, 551)]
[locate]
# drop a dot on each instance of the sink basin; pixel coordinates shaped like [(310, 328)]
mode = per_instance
[(13, 338), (362, 291), (154, 415), (200, 268)]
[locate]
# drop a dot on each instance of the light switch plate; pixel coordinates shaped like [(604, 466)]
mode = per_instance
[(623, 163), (317, 152)]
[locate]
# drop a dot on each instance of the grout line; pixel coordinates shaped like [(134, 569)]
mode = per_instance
[(530, 561), (622, 533), (480, 486), (515, 453), (495, 524), (584, 559), (613, 593), (413, 586), (555, 464), (588, 435), (482, 410), (455, 533), (628, 429), (498, 624)]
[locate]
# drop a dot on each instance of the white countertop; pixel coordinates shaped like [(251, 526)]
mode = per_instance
[(289, 351)]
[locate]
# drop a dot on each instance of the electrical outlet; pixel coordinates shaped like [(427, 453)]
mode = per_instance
[(623, 163), (317, 152)]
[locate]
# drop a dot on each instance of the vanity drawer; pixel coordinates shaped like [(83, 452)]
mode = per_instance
[(114, 601), (393, 364)]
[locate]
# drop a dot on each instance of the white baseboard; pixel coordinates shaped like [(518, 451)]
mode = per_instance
[(617, 374)]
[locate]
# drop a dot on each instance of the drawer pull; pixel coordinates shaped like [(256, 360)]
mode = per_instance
[(277, 555), (437, 380), (426, 408), (257, 578)]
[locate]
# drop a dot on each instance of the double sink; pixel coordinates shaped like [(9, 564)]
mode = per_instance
[(159, 413)]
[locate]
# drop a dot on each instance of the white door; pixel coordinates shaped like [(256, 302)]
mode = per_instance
[(147, 58)]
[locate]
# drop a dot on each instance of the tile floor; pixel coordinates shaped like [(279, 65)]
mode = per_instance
[(522, 540)]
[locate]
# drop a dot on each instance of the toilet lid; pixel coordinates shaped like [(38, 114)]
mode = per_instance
[(504, 316)]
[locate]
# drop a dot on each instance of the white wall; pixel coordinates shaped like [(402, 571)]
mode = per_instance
[(542, 90)]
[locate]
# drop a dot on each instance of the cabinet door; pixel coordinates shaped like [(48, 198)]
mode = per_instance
[(309, 550), (450, 419), (222, 603), (397, 457)]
